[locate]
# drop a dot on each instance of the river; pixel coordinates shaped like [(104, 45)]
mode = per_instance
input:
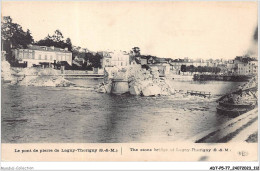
[(80, 115)]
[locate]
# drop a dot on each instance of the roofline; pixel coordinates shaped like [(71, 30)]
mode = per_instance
[(43, 50)]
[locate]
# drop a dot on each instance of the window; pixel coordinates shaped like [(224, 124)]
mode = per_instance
[(30, 55), (20, 55), (40, 57), (33, 55), (51, 58), (45, 57)]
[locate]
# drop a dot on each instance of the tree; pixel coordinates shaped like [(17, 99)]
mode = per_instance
[(6, 28), (13, 36), (204, 69), (69, 44), (218, 70), (136, 51), (183, 68), (192, 68), (199, 69), (28, 38), (57, 36), (95, 60), (75, 51), (55, 40)]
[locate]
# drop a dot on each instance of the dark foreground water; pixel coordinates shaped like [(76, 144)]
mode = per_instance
[(51, 114)]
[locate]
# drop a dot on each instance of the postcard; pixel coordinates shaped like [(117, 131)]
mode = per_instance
[(129, 81)]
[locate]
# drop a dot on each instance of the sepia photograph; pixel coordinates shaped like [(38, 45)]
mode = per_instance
[(129, 72)]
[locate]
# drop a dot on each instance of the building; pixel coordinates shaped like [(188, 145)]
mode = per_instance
[(242, 65), (253, 67), (144, 60), (120, 58), (37, 55), (163, 68), (231, 67), (78, 61), (105, 59), (161, 61), (249, 68), (176, 64)]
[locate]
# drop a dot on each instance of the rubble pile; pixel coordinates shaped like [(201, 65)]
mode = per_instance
[(253, 82), (39, 72), (242, 96), (7, 72), (47, 77), (141, 81), (109, 74), (45, 81)]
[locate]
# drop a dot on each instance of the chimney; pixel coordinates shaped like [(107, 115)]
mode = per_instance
[(52, 47), (66, 49)]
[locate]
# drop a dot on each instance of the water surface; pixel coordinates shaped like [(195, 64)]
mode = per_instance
[(80, 115)]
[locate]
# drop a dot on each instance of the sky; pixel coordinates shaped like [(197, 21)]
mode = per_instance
[(165, 29)]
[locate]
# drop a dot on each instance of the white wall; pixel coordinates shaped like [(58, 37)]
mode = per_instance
[(119, 59), (44, 56)]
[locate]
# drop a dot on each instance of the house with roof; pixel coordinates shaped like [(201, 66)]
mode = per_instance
[(106, 59), (78, 61), (247, 68), (161, 60), (120, 58), (145, 60), (42, 55), (243, 65)]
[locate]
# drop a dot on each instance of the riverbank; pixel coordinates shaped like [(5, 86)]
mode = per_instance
[(243, 128), (47, 77), (181, 77), (218, 77)]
